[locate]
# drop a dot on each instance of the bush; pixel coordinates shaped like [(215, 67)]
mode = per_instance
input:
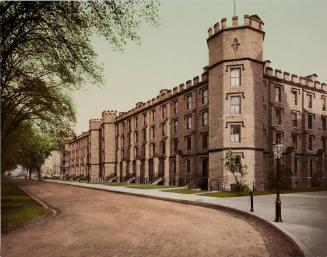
[(240, 187)]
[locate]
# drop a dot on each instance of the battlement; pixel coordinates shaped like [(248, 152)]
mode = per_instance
[(309, 81), (109, 116), (165, 94), (95, 123), (251, 21)]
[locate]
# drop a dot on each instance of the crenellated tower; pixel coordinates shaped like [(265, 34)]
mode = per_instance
[(108, 146), (94, 149), (235, 73)]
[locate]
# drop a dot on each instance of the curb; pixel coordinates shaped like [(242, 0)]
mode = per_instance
[(51, 211), (232, 211)]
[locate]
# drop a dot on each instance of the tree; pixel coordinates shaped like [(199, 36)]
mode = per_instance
[(46, 53), (233, 164)]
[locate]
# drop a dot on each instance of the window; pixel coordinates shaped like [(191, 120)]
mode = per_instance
[(123, 126), (235, 77), (175, 125), (323, 100), (309, 121), (278, 97), (144, 134), (323, 121), (136, 137), (136, 121), (188, 166), (188, 122), (163, 111), (129, 125), (311, 138), (163, 129), (205, 118), (323, 141), (153, 149), (189, 102), (278, 137), (235, 104), (117, 131), (294, 119), (163, 147), (294, 97), (278, 117), (174, 146), (175, 106), (311, 167), (173, 163), (205, 96), (129, 139), (204, 141), (144, 119), (143, 151), (122, 141), (295, 166), (235, 133), (188, 143), (153, 132), (153, 114), (309, 101), (294, 139), (135, 152)]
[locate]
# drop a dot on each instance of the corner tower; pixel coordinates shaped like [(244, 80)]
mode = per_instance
[(108, 143), (94, 149), (235, 98)]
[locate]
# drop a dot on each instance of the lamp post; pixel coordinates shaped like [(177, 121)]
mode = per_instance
[(277, 154)]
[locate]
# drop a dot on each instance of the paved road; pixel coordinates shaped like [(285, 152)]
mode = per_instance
[(97, 223), (304, 214)]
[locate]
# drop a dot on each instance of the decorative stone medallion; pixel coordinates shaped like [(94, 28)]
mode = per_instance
[(235, 45)]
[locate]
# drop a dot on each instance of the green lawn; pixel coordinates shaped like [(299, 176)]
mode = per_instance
[(184, 191), (114, 184), (17, 208), (268, 192), (142, 186)]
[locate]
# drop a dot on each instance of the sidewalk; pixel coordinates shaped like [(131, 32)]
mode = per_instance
[(304, 214)]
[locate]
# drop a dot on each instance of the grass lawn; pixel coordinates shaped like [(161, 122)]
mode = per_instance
[(268, 192), (142, 186), (17, 208), (184, 191), (114, 184)]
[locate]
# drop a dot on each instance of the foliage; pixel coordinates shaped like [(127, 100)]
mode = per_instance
[(17, 208), (238, 171), (46, 53), (284, 178)]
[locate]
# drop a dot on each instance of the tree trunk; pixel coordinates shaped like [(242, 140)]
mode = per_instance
[(30, 173), (38, 170)]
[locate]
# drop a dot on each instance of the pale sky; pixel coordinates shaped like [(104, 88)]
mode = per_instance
[(176, 50)]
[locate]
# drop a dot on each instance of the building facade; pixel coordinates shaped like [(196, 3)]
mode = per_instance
[(238, 104), (51, 166)]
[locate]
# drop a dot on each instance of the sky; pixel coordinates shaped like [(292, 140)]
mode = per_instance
[(176, 50)]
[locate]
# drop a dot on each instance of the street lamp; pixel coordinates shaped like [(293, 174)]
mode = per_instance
[(277, 154)]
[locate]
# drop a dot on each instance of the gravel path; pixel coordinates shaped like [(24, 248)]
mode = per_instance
[(97, 223)]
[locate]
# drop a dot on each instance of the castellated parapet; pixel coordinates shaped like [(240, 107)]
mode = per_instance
[(307, 81), (109, 116), (95, 123), (252, 21)]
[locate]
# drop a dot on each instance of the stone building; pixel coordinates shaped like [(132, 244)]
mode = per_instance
[(51, 166), (239, 103)]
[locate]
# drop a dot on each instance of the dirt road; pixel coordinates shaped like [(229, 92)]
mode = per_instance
[(97, 223)]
